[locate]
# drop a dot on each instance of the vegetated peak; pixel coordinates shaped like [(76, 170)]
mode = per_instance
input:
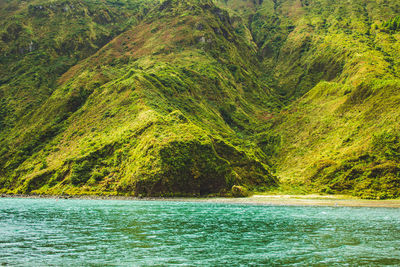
[(185, 25), (176, 8), (169, 4)]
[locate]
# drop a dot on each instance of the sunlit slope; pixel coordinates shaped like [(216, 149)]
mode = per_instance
[(340, 59), (342, 136), (193, 97), (166, 108), (40, 40)]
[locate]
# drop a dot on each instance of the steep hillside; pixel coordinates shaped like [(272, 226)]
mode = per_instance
[(165, 108), (191, 97), (40, 40), (342, 136)]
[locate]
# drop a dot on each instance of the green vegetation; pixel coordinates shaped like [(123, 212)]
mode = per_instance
[(164, 109), (239, 191), (200, 97), (393, 24)]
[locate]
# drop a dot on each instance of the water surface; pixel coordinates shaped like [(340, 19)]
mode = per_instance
[(154, 233)]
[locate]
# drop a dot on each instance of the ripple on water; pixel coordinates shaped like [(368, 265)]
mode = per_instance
[(96, 232)]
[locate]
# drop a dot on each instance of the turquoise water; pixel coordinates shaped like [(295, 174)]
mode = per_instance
[(153, 233)]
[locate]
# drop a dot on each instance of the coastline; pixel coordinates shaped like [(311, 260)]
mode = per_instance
[(266, 200)]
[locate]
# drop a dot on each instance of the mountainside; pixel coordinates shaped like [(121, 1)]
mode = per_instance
[(164, 108), (193, 97), (342, 136)]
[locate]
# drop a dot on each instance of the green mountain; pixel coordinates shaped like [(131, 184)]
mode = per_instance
[(193, 97)]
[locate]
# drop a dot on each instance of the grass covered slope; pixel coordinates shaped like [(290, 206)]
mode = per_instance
[(336, 65), (40, 40), (342, 136), (165, 108), (193, 97)]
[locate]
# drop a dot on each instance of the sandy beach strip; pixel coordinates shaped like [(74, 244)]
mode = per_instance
[(309, 200), (268, 200)]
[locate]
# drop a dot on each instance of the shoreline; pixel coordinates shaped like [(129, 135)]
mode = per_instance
[(265, 200)]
